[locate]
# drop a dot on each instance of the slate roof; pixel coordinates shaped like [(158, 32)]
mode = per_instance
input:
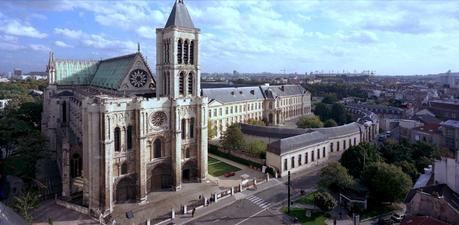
[(440, 189), (427, 119), (289, 144), (272, 132), (281, 90), (111, 71), (450, 123), (233, 94), (179, 16), (338, 131)]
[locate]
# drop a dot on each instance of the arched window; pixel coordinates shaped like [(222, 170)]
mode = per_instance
[(185, 52), (181, 83), (187, 153), (165, 86), (183, 128), (190, 83), (129, 137), (117, 139), (192, 52), (64, 112), (179, 52), (124, 168), (192, 128), (157, 148)]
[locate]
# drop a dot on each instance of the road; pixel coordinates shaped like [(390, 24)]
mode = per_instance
[(262, 207)]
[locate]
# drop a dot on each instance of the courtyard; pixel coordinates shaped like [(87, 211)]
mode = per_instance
[(218, 168)]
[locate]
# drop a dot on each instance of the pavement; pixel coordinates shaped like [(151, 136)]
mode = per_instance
[(59, 215)]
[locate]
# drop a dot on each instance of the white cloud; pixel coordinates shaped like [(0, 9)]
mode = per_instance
[(62, 44), (101, 42), (10, 46), (362, 37), (14, 27), (39, 47), (75, 34), (146, 32)]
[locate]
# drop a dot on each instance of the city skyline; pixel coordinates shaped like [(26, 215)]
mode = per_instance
[(248, 36)]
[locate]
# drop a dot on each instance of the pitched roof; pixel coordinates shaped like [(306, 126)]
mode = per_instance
[(272, 132), (233, 94), (179, 16), (75, 72), (289, 144), (338, 131), (111, 71), (438, 190), (282, 90)]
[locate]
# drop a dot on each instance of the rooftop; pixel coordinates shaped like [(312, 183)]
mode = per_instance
[(450, 123), (179, 16), (289, 144), (439, 190)]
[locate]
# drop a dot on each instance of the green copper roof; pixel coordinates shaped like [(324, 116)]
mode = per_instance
[(110, 72), (75, 72)]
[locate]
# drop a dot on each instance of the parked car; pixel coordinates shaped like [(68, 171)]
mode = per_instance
[(397, 217), (229, 174)]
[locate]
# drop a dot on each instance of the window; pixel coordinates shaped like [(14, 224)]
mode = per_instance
[(129, 137), (220, 111), (350, 142), (215, 112), (192, 128), (355, 141), (312, 156), (124, 168), (318, 153), (323, 152), (226, 110), (210, 113), (187, 153), (75, 165), (344, 144), (190, 83), (331, 146), (117, 139), (306, 159), (157, 148), (192, 52), (185, 52), (299, 160), (183, 128), (181, 83), (64, 112), (179, 52), (285, 164), (337, 146), (293, 161)]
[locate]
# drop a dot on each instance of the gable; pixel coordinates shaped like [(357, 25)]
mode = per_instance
[(138, 77), (213, 103)]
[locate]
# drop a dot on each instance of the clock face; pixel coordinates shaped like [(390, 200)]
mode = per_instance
[(158, 119), (138, 78)]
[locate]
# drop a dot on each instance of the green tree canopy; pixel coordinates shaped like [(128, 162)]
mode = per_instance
[(356, 157), (409, 168), (386, 183), (330, 123), (233, 138), (211, 130), (257, 148), (309, 122), (338, 113), (324, 201), (335, 176), (322, 111), (330, 98)]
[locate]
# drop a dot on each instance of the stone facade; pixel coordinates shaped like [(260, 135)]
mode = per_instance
[(119, 134)]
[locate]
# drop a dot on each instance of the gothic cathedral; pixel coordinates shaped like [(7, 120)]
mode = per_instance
[(119, 133)]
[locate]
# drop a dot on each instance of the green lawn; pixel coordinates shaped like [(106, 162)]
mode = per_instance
[(217, 168), (316, 218), (211, 160), (307, 199)]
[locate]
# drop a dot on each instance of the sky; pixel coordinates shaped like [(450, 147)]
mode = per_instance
[(389, 37)]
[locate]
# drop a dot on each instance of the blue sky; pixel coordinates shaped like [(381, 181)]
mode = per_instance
[(390, 37)]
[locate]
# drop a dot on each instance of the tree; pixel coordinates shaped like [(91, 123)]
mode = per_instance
[(324, 201), (233, 138), (386, 183), (330, 98), (25, 204), (335, 176), (309, 122), (257, 148), (422, 163), (338, 113), (356, 157), (322, 111), (30, 149), (330, 123), (409, 168), (211, 130)]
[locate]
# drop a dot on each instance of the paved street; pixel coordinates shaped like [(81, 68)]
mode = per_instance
[(262, 207)]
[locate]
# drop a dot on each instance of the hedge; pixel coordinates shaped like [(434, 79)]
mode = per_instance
[(214, 150)]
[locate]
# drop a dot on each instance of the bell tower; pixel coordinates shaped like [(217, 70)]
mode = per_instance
[(177, 50)]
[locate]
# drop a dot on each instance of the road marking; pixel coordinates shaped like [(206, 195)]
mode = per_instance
[(250, 217), (258, 201)]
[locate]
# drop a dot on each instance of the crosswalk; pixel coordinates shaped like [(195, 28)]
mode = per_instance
[(258, 201)]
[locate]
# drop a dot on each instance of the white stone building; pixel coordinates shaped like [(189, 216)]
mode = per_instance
[(446, 171), (120, 134)]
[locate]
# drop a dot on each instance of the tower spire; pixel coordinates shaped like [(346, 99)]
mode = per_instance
[(138, 46)]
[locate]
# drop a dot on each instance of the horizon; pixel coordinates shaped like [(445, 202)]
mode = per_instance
[(391, 38)]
